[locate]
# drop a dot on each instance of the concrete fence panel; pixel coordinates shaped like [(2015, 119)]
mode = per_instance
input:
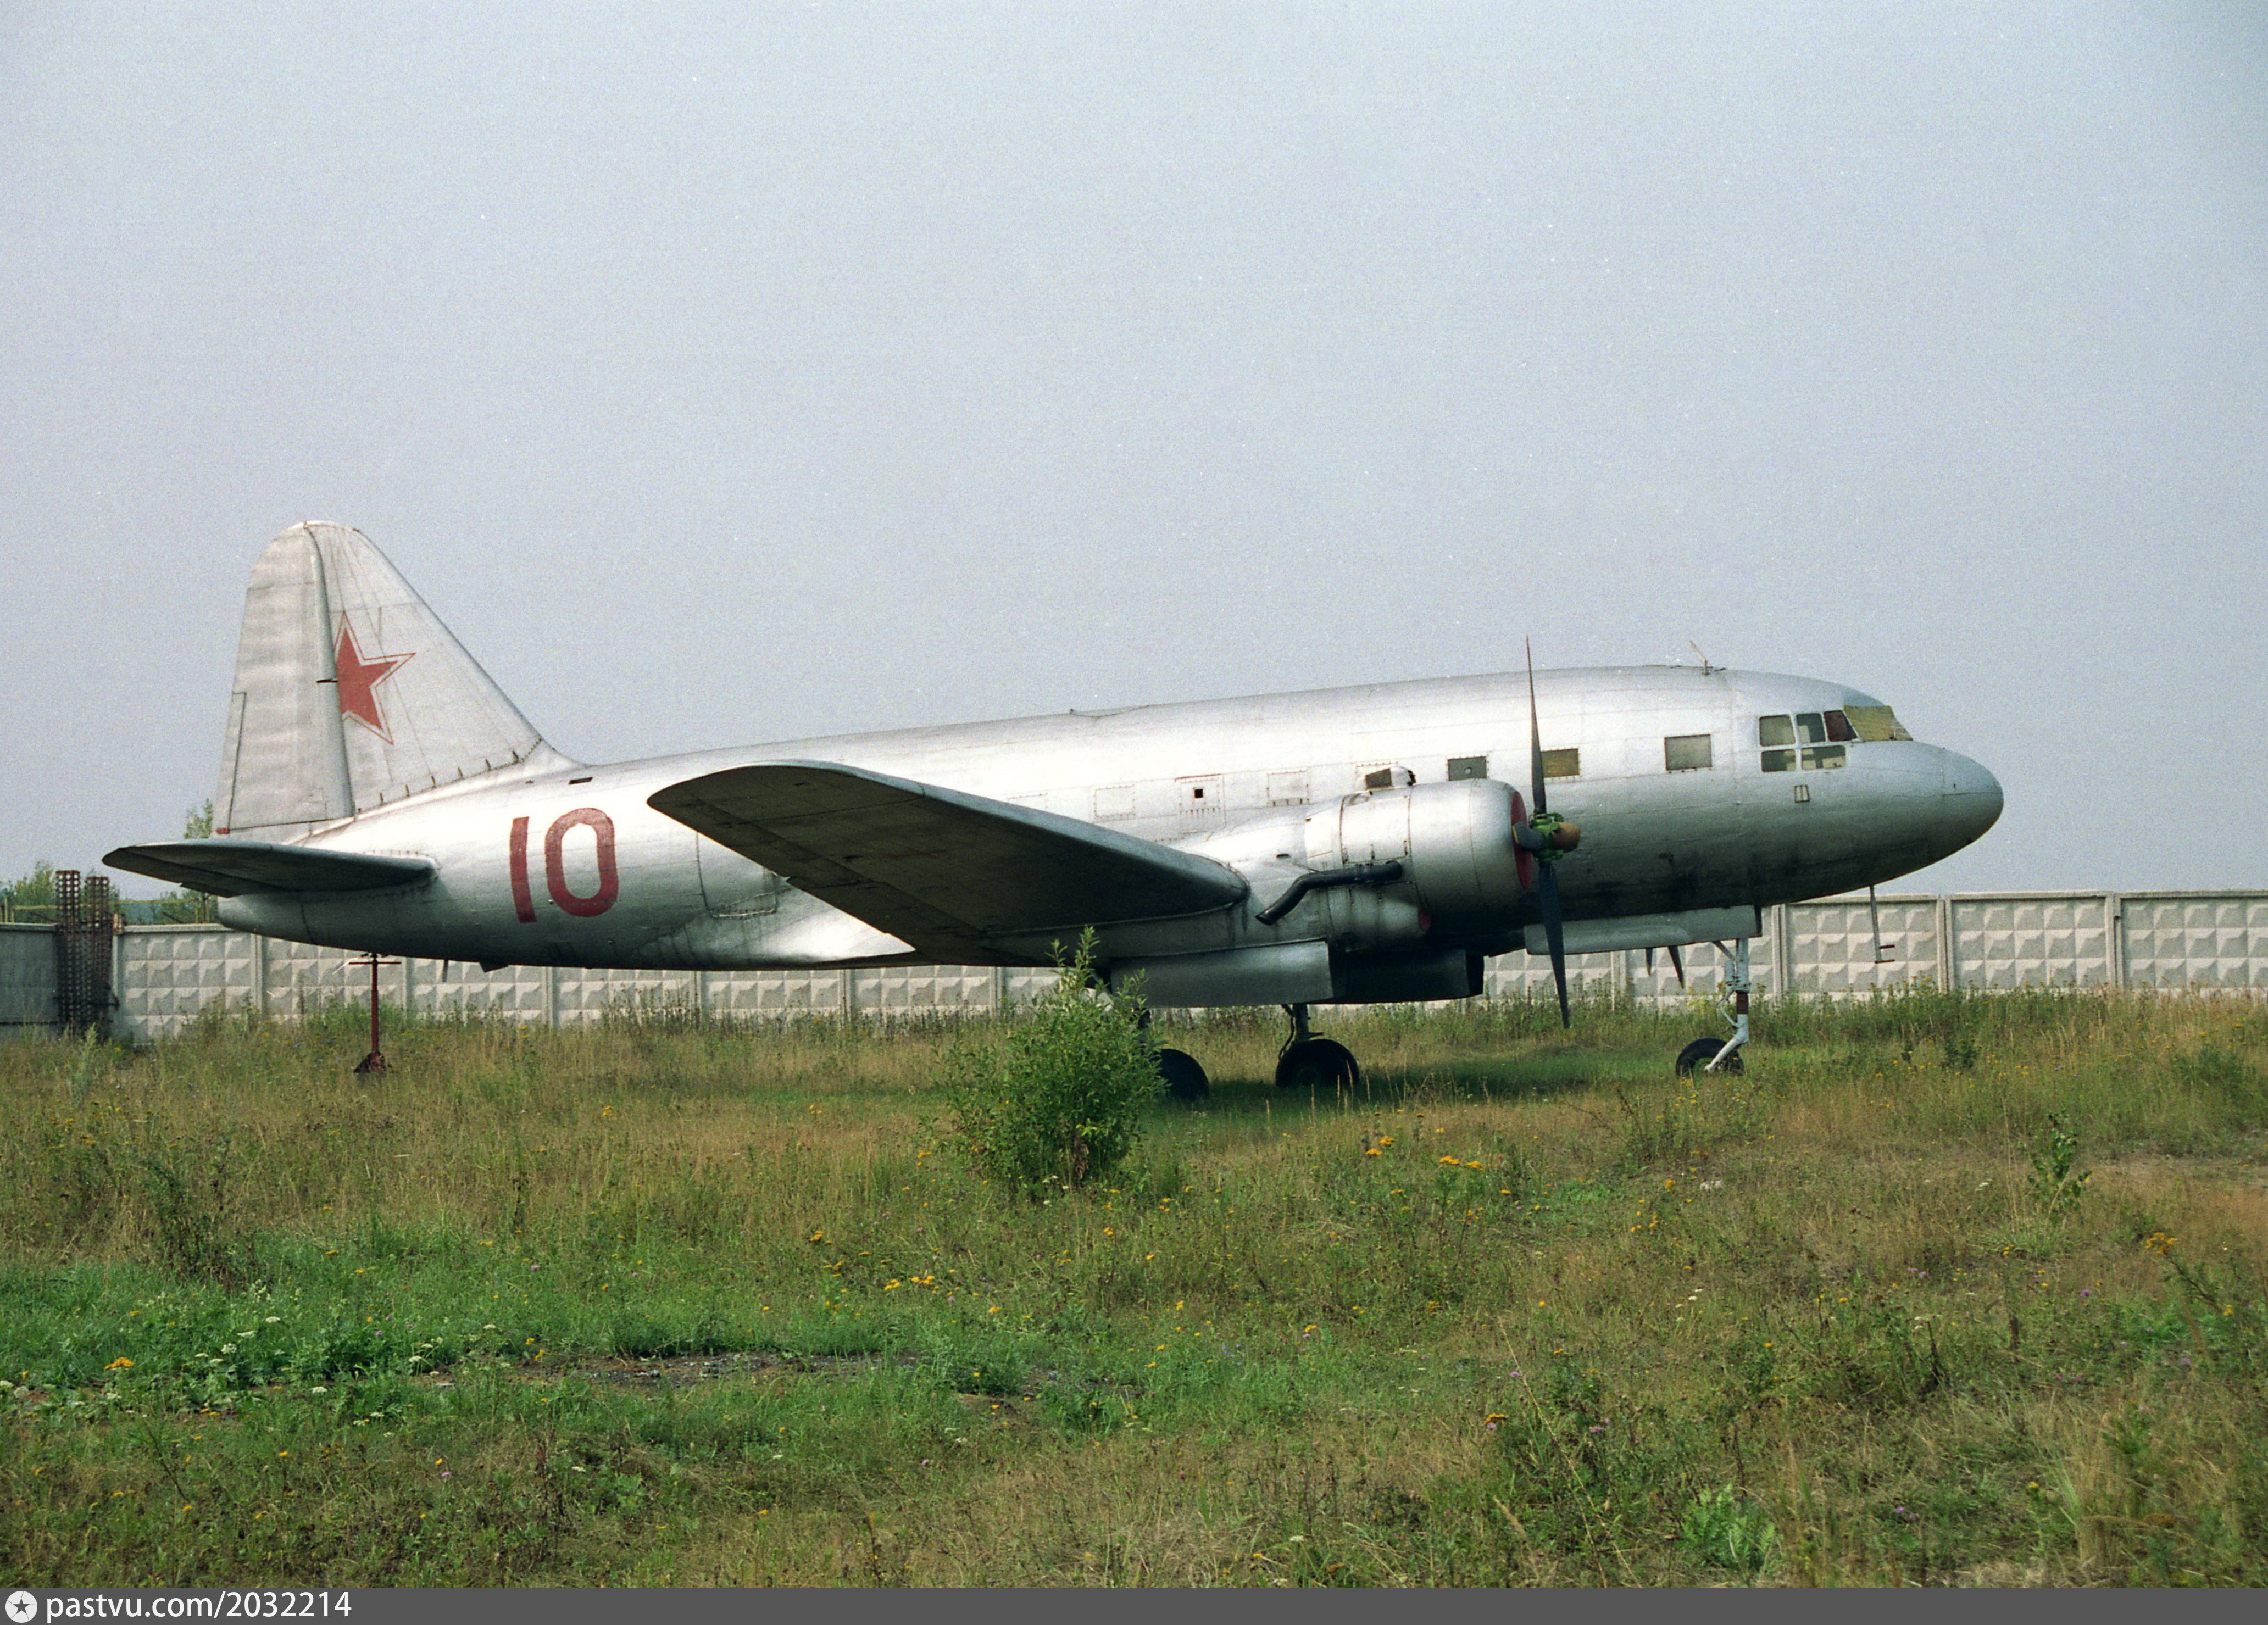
[(2218, 941), (2187, 940)]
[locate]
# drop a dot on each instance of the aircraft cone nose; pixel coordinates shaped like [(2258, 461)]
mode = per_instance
[(1971, 800)]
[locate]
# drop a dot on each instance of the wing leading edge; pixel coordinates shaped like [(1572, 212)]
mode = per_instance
[(948, 873)]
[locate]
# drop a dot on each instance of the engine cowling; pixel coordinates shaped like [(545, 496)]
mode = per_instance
[(1461, 866)]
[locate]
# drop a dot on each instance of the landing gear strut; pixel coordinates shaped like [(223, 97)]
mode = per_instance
[(1312, 1063), (1714, 1054)]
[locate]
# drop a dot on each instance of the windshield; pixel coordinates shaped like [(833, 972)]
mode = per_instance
[(1800, 741), (1874, 722)]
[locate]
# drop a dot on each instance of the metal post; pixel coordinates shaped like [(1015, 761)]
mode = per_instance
[(374, 1061), (1783, 951), (2115, 970), (1885, 953)]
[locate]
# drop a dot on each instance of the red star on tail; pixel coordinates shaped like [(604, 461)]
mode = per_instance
[(359, 681)]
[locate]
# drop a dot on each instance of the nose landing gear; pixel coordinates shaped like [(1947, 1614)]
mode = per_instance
[(1719, 1055), (1312, 1063)]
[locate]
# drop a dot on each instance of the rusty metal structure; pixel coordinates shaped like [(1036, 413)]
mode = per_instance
[(84, 932)]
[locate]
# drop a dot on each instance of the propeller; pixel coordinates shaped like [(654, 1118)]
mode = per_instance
[(1548, 837), (1675, 963)]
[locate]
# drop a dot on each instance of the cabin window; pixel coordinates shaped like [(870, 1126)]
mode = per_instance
[(1823, 756), (1686, 753), (1467, 767), (1563, 764), (1775, 730)]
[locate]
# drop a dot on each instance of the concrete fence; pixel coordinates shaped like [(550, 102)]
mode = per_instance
[(2217, 941)]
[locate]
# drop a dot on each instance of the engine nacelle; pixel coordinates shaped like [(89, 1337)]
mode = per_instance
[(1461, 868)]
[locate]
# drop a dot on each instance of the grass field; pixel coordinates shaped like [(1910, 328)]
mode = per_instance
[(659, 1302)]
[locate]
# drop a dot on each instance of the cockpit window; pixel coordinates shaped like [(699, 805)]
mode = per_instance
[(1821, 736), (1876, 722)]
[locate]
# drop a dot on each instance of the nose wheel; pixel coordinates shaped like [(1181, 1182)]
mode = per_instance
[(1723, 1055), (1696, 1056), (1312, 1063)]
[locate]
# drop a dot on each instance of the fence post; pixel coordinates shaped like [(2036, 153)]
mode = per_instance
[(2114, 939)]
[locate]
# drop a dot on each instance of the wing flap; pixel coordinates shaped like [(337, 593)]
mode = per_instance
[(228, 867), (947, 871)]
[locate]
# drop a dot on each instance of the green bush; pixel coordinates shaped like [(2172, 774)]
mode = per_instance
[(1056, 1099)]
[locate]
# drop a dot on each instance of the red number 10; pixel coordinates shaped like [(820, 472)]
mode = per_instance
[(554, 867)]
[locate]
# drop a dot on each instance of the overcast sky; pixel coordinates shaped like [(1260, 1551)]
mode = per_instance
[(729, 374)]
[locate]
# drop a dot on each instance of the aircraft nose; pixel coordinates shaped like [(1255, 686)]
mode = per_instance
[(1970, 802)]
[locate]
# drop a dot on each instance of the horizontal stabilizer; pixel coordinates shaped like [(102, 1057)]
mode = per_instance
[(948, 873), (228, 867)]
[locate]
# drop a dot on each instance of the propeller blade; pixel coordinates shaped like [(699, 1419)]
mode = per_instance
[(1649, 962), (1555, 937), (1535, 735), (1677, 964)]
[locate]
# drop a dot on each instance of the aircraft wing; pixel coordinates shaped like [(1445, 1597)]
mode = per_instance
[(943, 870), (228, 867)]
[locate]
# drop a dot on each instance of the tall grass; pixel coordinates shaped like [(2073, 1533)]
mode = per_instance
[(1524, 1307)]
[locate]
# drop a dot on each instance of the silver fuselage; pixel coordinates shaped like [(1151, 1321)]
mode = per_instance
[(1655, 841)]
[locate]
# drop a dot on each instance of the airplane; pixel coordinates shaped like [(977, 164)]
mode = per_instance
[(1343, 846)]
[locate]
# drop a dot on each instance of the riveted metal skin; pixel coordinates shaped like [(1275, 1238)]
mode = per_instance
[(925, 846)]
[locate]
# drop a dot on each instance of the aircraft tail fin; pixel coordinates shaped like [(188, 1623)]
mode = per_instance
[(350, 692)]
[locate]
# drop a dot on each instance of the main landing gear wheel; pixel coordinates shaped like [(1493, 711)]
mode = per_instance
[(1700, 1053), (1185, 1080), (1317, 1064)]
